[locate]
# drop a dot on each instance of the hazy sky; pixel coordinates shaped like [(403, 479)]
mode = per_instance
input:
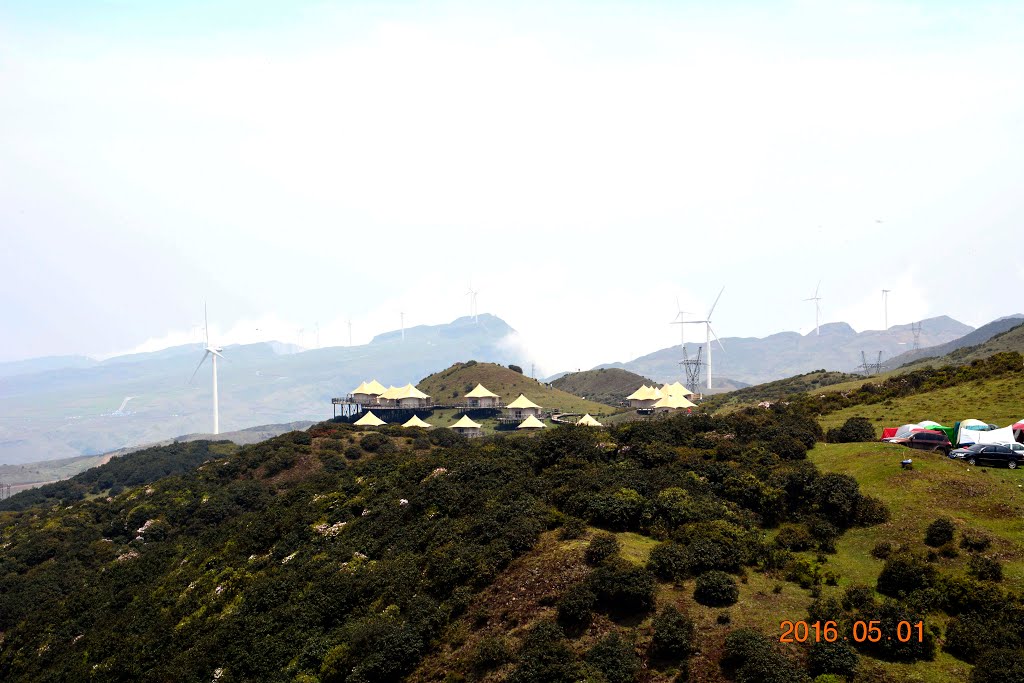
[(300, 163)]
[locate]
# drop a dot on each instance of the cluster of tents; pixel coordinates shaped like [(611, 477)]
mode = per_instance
[(964, 433)]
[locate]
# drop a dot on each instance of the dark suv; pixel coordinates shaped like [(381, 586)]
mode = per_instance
[(926, 440), (995, 454)]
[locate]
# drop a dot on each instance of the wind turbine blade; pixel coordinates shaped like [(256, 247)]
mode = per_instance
[(201, 361), (712, 330), (218, 354), (716, 303)]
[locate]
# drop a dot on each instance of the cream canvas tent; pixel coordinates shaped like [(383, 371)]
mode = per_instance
[(644, 397), (670, 403), (531, 423), (1003, 435), (481, 397), (405, 397), (467, 427), (417, 422), (522, 407), (587, 421), (367, 392), (369, 420), (968, 431)]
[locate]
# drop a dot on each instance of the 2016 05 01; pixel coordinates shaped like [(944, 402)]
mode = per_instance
[(862, 631)]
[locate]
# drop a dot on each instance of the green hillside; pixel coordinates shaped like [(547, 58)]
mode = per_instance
[(781, 389), (455, 382), (605, 385)]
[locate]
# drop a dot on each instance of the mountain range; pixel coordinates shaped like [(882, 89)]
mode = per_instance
[(752, 360), (71, 406)]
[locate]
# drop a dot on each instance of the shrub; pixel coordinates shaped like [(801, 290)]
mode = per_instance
[(669, 561), (858, 598), (353, 452), (673, 636), (855, 429), (575, 606), (490, 653), (1000, 666), (882, 550), (574, 527), (544, 656), (716, 589), (623, 588), (302, 438), (889, 615), (940, 532), (832, 658), (741, 646), (975, 541), (615, 658), (905, 574), (602, 547), (421, 443), (515, 368), (871, 511), (793, 537), (374, 443), (985, 568), (788, 447), (836, 497)]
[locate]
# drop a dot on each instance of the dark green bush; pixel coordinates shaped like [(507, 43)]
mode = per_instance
[(883, 549), (490, 653), (674, 635), (623, 588), (353, 452), (985, 568), (832, 658), (940, 532), (1000, 666), (572, 528), (716, 589), (871, 511), (601, 548), (615, 658), (794, 537), (904, 574), (855, 429), (669, 561), (975, 541), (788, 447), (576, 605), (374, 443), (544, 656)]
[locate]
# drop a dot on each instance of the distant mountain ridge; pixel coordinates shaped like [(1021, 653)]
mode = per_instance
[(754, 360), (57, 412), (978, 336)]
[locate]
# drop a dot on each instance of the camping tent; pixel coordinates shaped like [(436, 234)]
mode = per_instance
[(531, 423), (1018, 430), (1004, 435), (967, 431), (369, 420), (588, 421), (417, 422)]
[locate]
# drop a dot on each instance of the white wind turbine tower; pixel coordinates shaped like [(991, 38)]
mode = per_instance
[(471, 293), (402, 314), (885, 306), (709, 333), (680, 320), (817, 308), (213, 352), (350, 331)]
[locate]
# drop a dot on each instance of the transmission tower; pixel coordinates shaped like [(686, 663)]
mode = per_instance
[(691, 366), (915, 328), (871, 368), (5, 490)]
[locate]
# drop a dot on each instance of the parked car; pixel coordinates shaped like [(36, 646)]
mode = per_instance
[(964, 451), (995, 454), (925, 440)]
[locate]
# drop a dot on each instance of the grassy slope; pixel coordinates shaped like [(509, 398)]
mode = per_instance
[(607, 385), (1000, 401), (452, 384), (779, 389)]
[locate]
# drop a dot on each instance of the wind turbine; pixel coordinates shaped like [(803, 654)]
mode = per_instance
[(709, 333), (350, 331), (680, 320), (471, 293), (817, 309), (885, 305), (213, 352), (402, 314)]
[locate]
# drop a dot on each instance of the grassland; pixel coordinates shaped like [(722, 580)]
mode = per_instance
[(1000, 401), (606, 385)]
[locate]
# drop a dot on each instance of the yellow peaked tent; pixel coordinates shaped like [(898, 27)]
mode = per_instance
[(481, 392), (416, 422), (588, 421), (375, 388), (361, 389), (522, 402), (531, 423), (465, 423), (369, 420), (674, 403), (398, 393)]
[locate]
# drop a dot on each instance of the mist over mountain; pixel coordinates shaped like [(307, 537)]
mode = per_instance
[(754, 360), (57, 407)]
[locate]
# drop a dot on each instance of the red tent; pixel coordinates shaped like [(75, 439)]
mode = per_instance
[(889, 431)]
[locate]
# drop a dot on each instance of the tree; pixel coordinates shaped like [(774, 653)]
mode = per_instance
[(716, 589)]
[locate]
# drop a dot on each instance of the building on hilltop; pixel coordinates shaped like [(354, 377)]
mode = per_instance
[(521, 408), (481, 397), (531, 422), (367, 393), (467, 427), (404, 397)]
